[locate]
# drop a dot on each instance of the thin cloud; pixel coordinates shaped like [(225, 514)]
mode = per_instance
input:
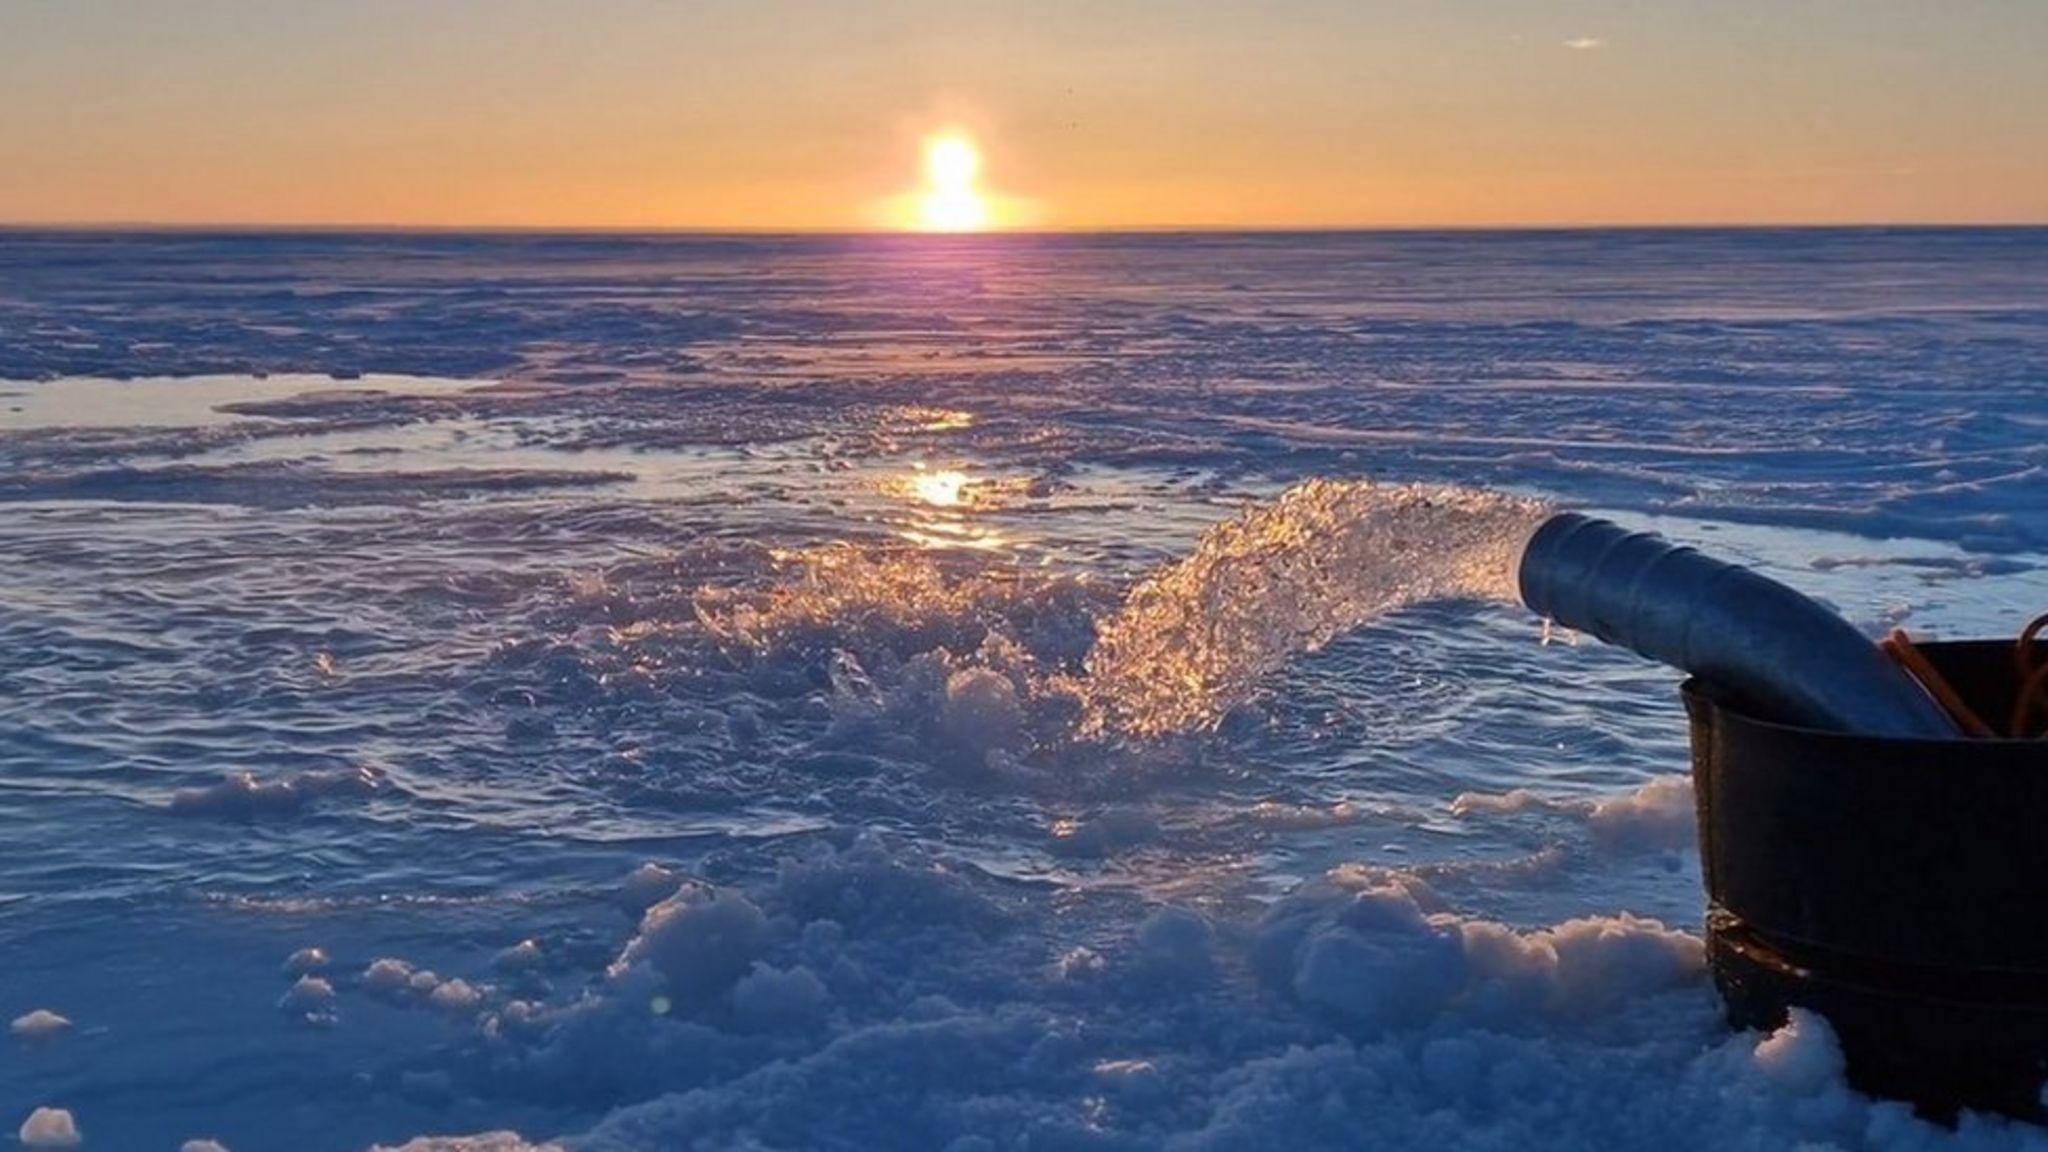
[(1585, 43)]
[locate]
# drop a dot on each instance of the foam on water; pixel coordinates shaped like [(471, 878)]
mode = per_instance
[(1288, 577)]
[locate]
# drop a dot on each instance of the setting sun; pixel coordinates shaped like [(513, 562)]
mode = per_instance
[(950, 202)]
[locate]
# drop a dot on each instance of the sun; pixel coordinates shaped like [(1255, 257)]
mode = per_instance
[(950, 200), (952, 193)]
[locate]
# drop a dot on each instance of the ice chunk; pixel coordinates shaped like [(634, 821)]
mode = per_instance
[(388, 975), (648, 885), (38, 1024), (456, 996), (524, 956), (307, 993), (50, 1128)]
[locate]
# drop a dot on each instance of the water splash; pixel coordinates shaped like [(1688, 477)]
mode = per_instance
[(894, 627), (1288, 577)]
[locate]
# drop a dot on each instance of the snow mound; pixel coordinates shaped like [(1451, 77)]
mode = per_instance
[(1803, 1055), (1363, 949), (1657, 816)]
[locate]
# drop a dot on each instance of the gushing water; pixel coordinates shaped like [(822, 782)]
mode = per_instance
[(1288, 577), (1189, 643)]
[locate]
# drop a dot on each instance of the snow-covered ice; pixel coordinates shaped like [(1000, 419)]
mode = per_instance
[(680, 692)]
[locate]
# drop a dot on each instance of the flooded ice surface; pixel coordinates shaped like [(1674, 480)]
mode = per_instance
[(668, 693)]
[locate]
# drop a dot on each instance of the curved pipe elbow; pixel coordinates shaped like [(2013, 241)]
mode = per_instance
[(1766, 642)]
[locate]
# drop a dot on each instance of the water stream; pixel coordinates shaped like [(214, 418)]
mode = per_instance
[(1287, 577)]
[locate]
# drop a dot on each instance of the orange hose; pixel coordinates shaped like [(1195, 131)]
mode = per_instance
[(2023, 650), (1901, 648)]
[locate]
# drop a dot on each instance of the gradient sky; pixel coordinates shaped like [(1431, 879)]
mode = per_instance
[(794, 114)]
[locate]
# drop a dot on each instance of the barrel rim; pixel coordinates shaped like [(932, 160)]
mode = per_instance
[(1696, 689)]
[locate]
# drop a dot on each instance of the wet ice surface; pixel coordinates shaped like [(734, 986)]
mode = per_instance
[(765, 563)]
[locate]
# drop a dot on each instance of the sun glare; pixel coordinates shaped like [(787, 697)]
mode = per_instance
[(942, 489), (950, 201)]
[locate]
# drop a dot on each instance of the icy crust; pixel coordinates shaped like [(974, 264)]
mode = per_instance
[(1879, 382)]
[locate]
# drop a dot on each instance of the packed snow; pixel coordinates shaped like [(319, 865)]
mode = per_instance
[(612, 694)]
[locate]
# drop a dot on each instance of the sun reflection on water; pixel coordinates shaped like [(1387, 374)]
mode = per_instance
[(942, 502), (946, 488)]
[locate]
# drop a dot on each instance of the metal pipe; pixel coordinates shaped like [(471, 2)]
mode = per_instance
[(1769, 644)]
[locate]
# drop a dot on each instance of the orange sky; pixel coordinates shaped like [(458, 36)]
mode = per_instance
[(808, 114)]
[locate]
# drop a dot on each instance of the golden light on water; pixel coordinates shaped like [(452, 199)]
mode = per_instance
[(941, 419), (941, 489), (945, 507)]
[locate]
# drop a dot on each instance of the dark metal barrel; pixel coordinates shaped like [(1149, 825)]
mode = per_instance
[(1899, 887)]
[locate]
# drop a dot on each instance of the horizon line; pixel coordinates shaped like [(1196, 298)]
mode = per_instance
[(135, 227)]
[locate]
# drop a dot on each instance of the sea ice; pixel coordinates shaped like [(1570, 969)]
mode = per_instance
[(50, 1128)]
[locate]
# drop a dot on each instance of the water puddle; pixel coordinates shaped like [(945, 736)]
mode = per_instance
[(184, 401)]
